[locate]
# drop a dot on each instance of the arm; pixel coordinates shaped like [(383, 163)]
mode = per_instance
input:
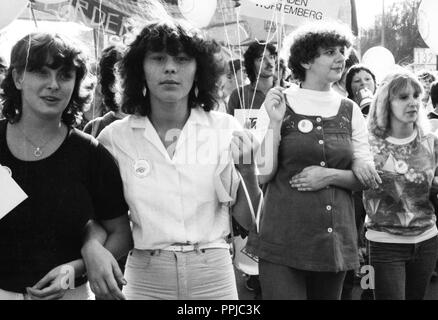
[(103, 270), (275, 107), (243, 146), (315, 178)]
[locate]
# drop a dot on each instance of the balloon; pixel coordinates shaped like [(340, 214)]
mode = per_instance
[(50, 1), (428, 23), (380, 61), (10, 10), (198, 12), (264, 2)]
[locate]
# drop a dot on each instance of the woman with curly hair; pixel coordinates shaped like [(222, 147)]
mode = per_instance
[(67, 176), (107, 87), (401, 230), (307, 238), (178, 162)]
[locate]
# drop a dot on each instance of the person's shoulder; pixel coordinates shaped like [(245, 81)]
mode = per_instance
[(221, 120), (82, 139)]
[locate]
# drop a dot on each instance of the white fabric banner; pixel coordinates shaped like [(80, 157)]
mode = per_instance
[(294, 12), (11, 194)]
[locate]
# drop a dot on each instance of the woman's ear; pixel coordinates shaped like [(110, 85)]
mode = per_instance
[(306, 65), (18, 79)]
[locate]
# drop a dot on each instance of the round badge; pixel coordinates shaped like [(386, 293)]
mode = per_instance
[(305, 126), (141, 168), (401, 167), (8, 170)]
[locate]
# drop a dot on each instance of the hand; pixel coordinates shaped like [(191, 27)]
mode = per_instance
[(243, 148), (103, 272), (53, 285), (366, 174), (275, 104), (312, 178)]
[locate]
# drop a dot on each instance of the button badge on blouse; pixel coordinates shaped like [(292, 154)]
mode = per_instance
[(142, 168), (305, 126), (401, 167), (8, 170)]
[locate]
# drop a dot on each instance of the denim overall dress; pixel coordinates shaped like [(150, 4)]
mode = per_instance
[(312, 231)]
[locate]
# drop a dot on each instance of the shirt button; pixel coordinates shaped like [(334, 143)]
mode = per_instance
[(321, 142), (330, 230), (318, 119), (322, 164), (329, 208)]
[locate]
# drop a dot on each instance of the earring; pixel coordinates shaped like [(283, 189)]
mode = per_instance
[(196, 91), (144, 91)]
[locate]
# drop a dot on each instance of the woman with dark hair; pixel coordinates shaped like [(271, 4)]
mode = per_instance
[(68, 177), (178, 162), (401, 230), (307, 238), (107, 86), (361, 85)]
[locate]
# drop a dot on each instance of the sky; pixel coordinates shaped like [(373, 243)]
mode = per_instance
[(368, 9)]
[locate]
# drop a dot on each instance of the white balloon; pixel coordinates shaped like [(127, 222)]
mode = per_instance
[(380, 61), (198, 12), (428, 23), (10, 10), (50, 1), (264, 2)]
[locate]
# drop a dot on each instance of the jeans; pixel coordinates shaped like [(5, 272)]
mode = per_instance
[(281, 282), (167, 275), (403, 271)]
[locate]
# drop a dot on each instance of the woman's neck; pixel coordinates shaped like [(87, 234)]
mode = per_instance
[(169, 116), (316, 84), (401, 130), (264, 84), (37, 127)]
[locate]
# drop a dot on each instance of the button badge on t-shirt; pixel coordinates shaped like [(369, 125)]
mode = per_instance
[(305, 126), (142, 168)]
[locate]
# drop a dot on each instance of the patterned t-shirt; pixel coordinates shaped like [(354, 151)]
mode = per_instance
[(401, 204)]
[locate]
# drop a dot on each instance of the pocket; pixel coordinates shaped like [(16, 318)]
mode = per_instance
[(139, 259), (216, 258)]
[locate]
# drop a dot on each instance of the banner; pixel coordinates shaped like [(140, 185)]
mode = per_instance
[(294, 12)]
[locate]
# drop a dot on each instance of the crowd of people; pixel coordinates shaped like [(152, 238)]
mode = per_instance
[(142, 199)]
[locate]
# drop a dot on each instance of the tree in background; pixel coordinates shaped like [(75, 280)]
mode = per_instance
[(401, 31)]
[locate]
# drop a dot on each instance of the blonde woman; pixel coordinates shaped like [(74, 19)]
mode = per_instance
[(400, 220)]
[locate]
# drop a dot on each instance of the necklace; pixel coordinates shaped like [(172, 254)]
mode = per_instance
[(38, 152)]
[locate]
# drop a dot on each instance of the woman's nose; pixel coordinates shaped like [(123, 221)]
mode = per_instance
[(170, 66), (53, 83)]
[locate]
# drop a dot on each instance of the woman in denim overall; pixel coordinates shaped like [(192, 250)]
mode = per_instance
[(307, 238)]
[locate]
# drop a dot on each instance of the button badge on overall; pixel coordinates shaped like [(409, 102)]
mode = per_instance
[(305, 126), (142, 168)]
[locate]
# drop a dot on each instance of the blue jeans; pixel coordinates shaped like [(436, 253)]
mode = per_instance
[(403, 271), (281, 282)]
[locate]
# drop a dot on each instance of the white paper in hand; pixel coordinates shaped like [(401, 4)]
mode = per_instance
[(11, 194)]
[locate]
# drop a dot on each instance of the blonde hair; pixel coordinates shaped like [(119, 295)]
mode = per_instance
[(380, 111)]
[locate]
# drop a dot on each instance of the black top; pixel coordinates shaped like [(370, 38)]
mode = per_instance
[(77, 182)]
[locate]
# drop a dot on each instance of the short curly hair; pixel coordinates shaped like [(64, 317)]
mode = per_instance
[(380, 111), (107, 75), (173, 37), (350, 74), (32, 53), (305, 42), (256, 50)]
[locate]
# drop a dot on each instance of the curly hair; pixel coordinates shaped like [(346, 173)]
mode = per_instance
[(107, 78), (305, 43), (32, 53), (380, 111), (350, 74), (256, 50), (172, 37), (434, 93)]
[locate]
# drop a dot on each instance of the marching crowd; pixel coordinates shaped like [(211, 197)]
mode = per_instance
[(139, 176)]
